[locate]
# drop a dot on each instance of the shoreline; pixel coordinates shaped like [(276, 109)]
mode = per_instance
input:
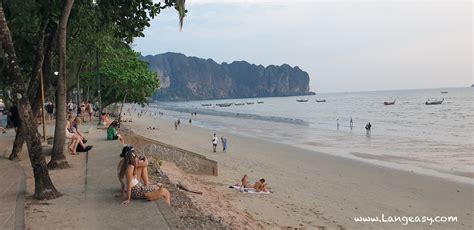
[(313, 190), (385, 160)]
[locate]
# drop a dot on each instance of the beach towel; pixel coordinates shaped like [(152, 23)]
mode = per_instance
[(247, 190)]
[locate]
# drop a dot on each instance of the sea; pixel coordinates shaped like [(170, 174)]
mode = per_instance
[(430, 139)]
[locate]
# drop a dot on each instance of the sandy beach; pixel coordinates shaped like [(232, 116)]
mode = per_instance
[(313, 190)]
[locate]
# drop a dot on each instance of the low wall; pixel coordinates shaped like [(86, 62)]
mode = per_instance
[(188, 161)]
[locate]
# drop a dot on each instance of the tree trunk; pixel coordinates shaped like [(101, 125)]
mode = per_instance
[(33, 90), (121, 107), (58, 158), (17, 144), (44, 188)]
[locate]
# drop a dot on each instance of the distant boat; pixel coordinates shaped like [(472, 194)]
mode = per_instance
[(324, 100), (206, 104), (302, 100), (444, 91), (390, 102), (249, 103), (260, 102), (436, 102), (239, 103), (224, 104)]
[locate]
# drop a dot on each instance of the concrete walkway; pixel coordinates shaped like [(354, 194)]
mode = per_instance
[(88, 200), (12, 195), (106, 211)]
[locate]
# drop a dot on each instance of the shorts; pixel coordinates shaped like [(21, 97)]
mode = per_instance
[(139, 190), (69, 135), (115, 137)]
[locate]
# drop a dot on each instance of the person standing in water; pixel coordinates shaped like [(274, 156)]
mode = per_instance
[(368, 128), (337, 123), (351, 123)]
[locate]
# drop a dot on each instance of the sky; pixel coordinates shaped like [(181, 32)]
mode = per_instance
[(344, 46)]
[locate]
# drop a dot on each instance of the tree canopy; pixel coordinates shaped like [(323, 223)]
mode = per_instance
[(122, 72)]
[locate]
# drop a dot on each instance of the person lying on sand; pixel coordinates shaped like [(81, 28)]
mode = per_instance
[(245, 182), (260, 186), (135, 189)]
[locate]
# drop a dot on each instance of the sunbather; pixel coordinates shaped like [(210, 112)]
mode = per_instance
[(260, 186), (245, 182)]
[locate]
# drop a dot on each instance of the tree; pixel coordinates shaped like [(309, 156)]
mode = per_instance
[(40, 16), (58, 159), (123, 73), (44, 188)]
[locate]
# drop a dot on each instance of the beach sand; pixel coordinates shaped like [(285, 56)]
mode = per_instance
[(310, 190)]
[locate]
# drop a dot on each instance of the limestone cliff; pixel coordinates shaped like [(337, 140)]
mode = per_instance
[(191, 78)]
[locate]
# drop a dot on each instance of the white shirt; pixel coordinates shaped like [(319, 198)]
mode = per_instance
[(215, 140)]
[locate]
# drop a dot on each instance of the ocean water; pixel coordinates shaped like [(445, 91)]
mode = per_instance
[(433, 139)]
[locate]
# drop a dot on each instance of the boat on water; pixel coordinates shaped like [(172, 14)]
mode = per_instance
[(434, 102), (239, 104), (224, 104), (323, 100), (444, 91), (390, 102), (206, 104), (302, 100), (249, 103), (259, 102)]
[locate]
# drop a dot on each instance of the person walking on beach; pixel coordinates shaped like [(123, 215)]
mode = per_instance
[(224, 144), (215, 140)]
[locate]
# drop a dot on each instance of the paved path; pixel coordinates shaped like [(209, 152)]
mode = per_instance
[(106, 211), (12, 198), (88, 189)]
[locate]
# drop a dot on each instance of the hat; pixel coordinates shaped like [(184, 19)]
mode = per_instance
[(126, 150)]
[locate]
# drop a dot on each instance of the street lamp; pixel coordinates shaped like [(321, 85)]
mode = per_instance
[(98, 83), (42, 106)]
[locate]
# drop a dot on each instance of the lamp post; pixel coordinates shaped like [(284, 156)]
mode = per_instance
[(42, 106), (98, 83)]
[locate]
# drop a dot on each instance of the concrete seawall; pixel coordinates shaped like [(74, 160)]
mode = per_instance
[(188, 161)]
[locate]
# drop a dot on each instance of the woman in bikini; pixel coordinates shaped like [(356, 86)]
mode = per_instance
[(260, 186), (245, 182), (133, 168)]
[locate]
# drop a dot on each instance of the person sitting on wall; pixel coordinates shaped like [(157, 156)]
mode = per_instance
[(135, 189), (112, 133)]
